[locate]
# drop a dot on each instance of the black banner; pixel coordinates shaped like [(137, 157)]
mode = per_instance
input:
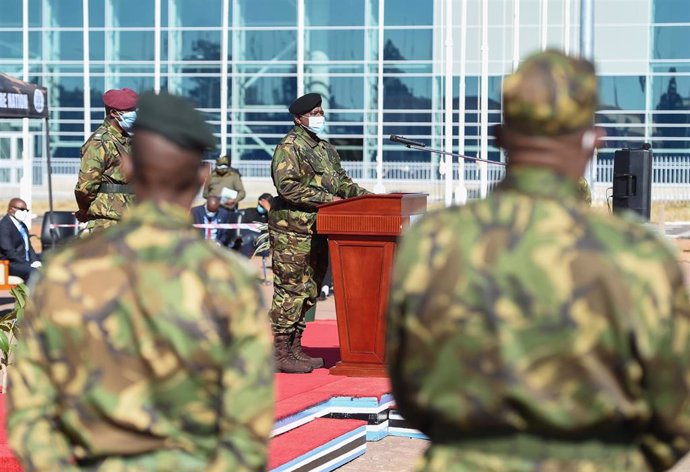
[(20, 99)]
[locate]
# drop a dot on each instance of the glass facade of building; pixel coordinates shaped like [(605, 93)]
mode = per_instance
[(243, 61)]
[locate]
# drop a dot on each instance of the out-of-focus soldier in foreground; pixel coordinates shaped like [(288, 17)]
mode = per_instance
[(527, 333), (102, 192), (145, 348)]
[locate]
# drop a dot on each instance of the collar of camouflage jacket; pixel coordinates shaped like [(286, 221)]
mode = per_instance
[(302, 134), (539, 182), (114, 132), (161, 214)]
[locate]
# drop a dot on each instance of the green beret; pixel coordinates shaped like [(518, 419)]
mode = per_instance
[(174, 118), (550, 94), (305, 104)]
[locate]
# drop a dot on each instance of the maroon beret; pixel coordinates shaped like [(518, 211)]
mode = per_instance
[(122, 99)]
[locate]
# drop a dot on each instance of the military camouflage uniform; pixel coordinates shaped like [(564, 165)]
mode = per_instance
[(230, 179), (306, 173), (145, 349), (584, 191), (101, 167), (526, 333)]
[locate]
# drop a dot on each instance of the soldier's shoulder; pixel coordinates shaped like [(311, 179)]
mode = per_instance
[(235, 171)]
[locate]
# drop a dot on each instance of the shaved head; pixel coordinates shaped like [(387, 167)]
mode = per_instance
[(15, 202), (164, 171)]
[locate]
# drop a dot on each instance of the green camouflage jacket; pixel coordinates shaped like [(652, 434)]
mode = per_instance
[(525, 316), (231, 179), (143, 338), (101, 159), (306, 174)]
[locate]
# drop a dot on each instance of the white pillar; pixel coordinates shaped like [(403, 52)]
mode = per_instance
[(587, 51), (87, 70), (224, 78), (157, 46), (448, 120), (516, 35), (484, 93), (26, 182), (544, 15), (237, 89), (461, 190), (300, 48), (379, 187), (566, 26)]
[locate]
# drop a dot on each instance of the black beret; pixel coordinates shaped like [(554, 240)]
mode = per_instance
[(176, 119), (305, 103)]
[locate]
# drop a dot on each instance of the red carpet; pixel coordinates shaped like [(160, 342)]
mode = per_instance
[(295, 393)]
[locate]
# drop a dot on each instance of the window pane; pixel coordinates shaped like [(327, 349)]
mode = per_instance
[(11, 14), (671, 11), (11, 45), (133, 46), (134, 13), (278, 45), (195, 13), (280, 91), (335, 45), (267, 13), (410, 93), (64, 13), (409, 13), (400, 45), (330, 13), (621, 93), (671, 42)]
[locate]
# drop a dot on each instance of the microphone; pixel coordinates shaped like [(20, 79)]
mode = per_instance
[(405, 141)]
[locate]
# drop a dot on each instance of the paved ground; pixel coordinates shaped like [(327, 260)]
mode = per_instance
[(391, 454)]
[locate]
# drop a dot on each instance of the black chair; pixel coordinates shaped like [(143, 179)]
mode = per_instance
[(53, 237)]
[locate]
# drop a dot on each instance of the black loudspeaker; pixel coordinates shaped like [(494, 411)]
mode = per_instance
[(52, 237), (632, 181)]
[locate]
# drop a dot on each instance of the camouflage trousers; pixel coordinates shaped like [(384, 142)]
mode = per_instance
[(96, 225), (299, 266), (524, 454)]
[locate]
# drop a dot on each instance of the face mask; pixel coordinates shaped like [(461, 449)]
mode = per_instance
[(316, 124), (261, 210), (221, 169), (21, 215), (126, 121), (211, 214)]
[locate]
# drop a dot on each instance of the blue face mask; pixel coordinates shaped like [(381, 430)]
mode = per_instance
[(126, 121), (261, 210)]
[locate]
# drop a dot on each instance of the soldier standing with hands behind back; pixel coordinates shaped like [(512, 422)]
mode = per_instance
[(102, 192), (306, 171), (527, 333)]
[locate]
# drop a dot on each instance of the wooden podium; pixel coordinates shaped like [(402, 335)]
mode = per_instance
[(362, 237)]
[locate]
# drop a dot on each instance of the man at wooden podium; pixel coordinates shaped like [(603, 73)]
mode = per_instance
[(306, 172)]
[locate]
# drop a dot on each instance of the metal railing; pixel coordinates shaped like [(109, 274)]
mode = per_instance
[(670, 175)]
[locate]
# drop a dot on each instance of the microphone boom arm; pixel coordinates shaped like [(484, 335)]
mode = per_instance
[(409, 145)]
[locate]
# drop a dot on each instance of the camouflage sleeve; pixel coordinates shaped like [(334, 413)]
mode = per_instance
[(287, 179), (90, 174), (347, 187), (584, 191), (247, 410), (207, 187), (32, 400), (663, 345)]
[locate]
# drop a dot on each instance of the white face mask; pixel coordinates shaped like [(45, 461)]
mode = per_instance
[(316, 124), (22, 215)]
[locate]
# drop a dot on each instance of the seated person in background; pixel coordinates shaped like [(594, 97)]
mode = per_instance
[(226, 183), (212, 214), (260, 213), (15, 246)]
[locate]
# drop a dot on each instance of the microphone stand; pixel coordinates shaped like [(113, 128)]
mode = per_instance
[(421, 147)]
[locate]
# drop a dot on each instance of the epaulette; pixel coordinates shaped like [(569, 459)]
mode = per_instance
[(289, 139)]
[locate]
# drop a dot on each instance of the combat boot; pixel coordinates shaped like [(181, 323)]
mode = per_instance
[(285, 361), (298, 353)]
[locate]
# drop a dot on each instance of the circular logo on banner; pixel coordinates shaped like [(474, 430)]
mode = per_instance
[(39, 101)]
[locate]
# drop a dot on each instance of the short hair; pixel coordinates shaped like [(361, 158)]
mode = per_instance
[(266, 196)]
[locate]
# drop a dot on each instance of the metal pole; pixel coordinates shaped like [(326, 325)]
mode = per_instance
[(48, 164), (484, 131), (566, 27), (448, 162), (461, 190), (87, 70), (544, 13), (516, 35), (26, 182), (379, 188)]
